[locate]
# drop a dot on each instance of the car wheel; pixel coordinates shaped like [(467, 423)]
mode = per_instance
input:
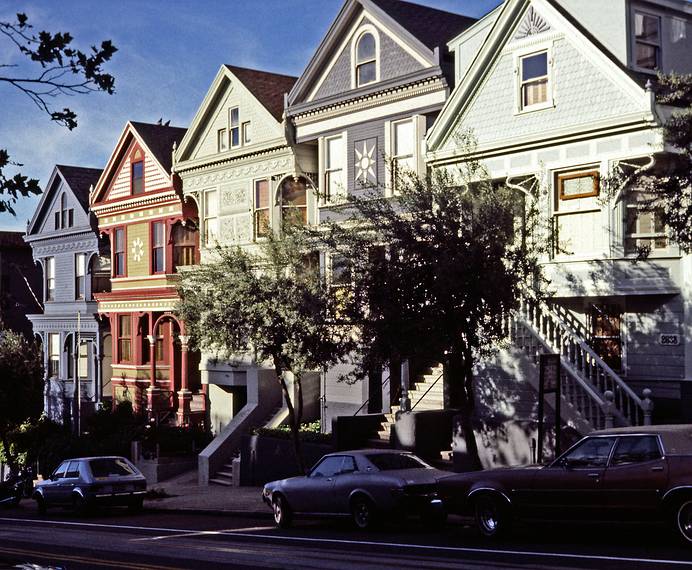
[(41, 504), (282, 512), (363, 513), (683, 520), (492, 516), (79, 504), (136, 505)]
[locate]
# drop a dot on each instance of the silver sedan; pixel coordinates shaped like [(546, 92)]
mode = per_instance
[(365, 485)]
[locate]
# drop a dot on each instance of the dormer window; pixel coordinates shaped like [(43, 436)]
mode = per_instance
[(138, 177), (647, 40), (534, 81), (366, 60)]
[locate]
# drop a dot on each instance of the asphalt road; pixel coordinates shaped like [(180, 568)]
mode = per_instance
[(166, 540)]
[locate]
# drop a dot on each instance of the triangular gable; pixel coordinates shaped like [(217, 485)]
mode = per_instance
[(75, 180), (517, 21), (114, 182), (228, 80), (327, 54)]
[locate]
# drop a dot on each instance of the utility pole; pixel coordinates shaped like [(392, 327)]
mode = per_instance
[(76, 372)]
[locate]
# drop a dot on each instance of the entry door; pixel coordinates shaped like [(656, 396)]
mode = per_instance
[(606, 337)]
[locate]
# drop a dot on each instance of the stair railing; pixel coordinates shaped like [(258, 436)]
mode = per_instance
[(578, 357), (428, 390), (384, 383)]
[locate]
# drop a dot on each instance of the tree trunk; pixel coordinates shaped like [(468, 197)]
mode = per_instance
[(462, 396), (294, 417)]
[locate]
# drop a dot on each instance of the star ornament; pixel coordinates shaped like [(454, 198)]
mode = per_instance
[(365, 162), (137, 249)]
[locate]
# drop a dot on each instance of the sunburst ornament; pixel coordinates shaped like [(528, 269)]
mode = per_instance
[(137, 249), (532, 24), (366, 162)]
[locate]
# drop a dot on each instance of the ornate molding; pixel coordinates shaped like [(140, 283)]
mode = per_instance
[(239, 172), (532, 24)]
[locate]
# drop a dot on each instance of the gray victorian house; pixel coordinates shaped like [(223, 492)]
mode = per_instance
[(65, 244)]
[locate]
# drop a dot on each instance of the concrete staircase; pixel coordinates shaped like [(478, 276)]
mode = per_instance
[(225, 475), (425, 394)]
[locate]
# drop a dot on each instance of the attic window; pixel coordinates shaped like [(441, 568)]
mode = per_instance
[(234, 122), (534, 80), (138, 177), (366, 60)]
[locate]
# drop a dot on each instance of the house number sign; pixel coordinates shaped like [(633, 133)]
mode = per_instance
[(669, 339)]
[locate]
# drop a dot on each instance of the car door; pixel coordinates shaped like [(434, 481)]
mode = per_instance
[(51, 489), (315, 493), (572, 487), (636, 477), (345, 482), (66, 484)]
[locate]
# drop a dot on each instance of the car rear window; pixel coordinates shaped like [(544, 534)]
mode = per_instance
[(392, 461), (110, 467)]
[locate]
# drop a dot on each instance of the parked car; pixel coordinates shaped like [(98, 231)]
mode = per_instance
[(624, 474), (365, 485), (11, 491), (92, 481)]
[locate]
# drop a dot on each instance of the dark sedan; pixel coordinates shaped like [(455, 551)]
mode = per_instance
[(92, 481), (624, 474), (364, 484)]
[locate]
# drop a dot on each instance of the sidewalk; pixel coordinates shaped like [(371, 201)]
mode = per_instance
[(187, 496)]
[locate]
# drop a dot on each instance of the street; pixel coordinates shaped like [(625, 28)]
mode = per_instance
[(115, 538)]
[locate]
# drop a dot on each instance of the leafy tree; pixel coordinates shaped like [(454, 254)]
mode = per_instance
[(59, 69), (666, 188), (434, 272), (272, 305), (21, 383)]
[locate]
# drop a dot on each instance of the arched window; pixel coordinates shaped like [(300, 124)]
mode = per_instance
[(293, 196), (366, 60)]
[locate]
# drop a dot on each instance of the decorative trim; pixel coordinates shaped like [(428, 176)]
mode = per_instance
[(532, 24)]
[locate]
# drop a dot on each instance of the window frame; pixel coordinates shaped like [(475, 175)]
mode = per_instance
[(53, 358), (652, 237), (396, 158), (622, 438), (246, 132), (234, 126), (520, 56), (156, 247), (50, 279), (122, 318), (256, 209), (222, 140), (207, 238), (327, 198), (133, 190), (573, 174), (77, 276), (636, 41), (116, 252), (288, 207), (356, 64)]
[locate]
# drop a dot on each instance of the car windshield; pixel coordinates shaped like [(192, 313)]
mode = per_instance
[(392, 461), (110, 466)]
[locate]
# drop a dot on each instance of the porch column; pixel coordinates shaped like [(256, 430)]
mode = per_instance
[(153, 390), (184, 395)]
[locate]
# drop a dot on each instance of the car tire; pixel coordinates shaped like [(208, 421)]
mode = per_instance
[(79, 505), (492, 515), (41, 504), (363, 513), (136, 506), (283, 517), (683, 520)]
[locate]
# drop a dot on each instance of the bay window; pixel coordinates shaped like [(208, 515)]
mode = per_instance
[(50, 279), (119, 252), (79, 275), (403, 150), (124, 338), (210, 217), (261, 205), (53, 355), (334, 170), (158, 240)]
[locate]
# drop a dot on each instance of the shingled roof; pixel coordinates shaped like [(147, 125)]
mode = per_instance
[(430, 26), (159, 139), (80, 179), (268, 88)]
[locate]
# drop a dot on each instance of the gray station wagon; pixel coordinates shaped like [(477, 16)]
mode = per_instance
[(90, 481)]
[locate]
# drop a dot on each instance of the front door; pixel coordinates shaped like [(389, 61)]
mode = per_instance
[(572, 487), (606, 338)]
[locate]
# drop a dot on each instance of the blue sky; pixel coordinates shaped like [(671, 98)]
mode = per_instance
[(169, 52)]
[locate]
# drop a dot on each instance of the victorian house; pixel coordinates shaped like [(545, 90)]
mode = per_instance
[(558, 94), (65, 244), (151, 232), (241, 168), (363, 105)]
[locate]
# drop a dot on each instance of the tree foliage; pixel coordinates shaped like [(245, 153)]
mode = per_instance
[(435, 270), (58, 69), (269, 306), (21, 381)]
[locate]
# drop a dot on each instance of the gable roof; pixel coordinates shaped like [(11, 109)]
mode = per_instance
[(159, 139), (268, 88), (80, 179), (432, 27), (425, 30), (483, 64)]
